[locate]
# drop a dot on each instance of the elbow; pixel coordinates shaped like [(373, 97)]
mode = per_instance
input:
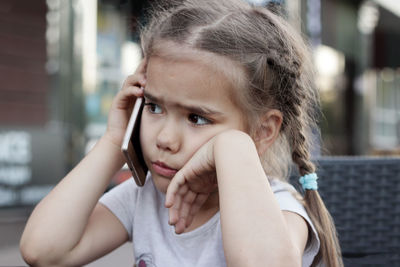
[(289, 258), (28, 253), (29, 248), (290, 255), (35, 259), (33, 255)]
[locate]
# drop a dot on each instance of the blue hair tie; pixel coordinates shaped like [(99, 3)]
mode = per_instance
[(309, 181)]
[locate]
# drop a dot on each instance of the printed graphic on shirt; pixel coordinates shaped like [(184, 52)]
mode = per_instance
[(145, 260)]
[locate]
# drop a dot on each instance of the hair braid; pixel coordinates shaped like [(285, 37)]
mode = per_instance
[(297, 124), (301, 122), (299, 144)]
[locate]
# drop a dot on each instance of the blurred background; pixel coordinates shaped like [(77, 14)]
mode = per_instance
[(62, 61)]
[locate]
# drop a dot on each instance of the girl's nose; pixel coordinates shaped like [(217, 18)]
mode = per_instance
[(168, 137)]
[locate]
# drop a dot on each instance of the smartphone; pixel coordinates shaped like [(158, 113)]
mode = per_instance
[(131, 145)]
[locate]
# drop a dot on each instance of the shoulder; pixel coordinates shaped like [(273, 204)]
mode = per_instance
[(290, 200), (123, 200), (287, 196), (127, 191)]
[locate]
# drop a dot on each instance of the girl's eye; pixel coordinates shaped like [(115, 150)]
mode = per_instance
[(153, 108), (198, 120)]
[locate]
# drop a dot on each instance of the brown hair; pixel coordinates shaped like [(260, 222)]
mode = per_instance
[(278, 71)]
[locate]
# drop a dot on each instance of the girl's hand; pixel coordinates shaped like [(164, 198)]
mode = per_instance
[(191, 187), (122, 105)]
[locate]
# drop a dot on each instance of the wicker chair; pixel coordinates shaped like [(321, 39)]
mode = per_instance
[(363, 196)]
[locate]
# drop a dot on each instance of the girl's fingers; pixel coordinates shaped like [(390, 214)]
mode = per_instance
[(181, 209), (198, 203), (187, 191), (173, 187), (134, 80), (134, 91), (138, 78), (189, 220), (129, 92), (123, 99), (174, 211), (180, 226), (195, 207), (186, 205)]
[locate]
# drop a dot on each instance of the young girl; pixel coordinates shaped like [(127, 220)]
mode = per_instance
[(229, 105)]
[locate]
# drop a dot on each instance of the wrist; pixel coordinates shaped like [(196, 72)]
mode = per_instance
[(233, 141), (108, 140), (112, 150), (113, 137), (235, 152)]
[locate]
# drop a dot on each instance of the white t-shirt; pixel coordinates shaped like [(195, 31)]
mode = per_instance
[(141, 210)]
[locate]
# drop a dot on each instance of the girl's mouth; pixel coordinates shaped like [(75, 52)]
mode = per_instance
[(164, 170)]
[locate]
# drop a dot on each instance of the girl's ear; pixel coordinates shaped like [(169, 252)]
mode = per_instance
[(268, 130)]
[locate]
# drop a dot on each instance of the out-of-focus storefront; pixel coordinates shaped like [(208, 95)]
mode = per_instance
[(360, 97), (61, 63), (31, 146)]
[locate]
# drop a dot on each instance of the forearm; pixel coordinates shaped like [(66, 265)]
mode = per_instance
[(253, 228), (59, 220)]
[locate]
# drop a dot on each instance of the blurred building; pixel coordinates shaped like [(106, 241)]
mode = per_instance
[(360, 96), (30, 147), (62, 61)]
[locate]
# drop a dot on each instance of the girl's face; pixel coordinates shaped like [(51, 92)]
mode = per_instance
[(186, 104)]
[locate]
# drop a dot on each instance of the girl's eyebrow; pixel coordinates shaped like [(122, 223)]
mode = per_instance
[(201, 110)]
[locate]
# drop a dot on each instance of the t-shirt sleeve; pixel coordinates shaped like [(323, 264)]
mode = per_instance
[(284, 195), (121, 201)]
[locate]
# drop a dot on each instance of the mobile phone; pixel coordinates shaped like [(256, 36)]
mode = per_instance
[(131, 145)]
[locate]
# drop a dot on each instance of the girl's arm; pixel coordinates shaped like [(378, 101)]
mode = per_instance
[(255, 231), (69, 227), (63, 229)]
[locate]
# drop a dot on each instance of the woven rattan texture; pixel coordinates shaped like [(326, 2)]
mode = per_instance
[(363, 197)]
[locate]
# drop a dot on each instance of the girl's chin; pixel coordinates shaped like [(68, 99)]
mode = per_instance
[(161, 183)]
